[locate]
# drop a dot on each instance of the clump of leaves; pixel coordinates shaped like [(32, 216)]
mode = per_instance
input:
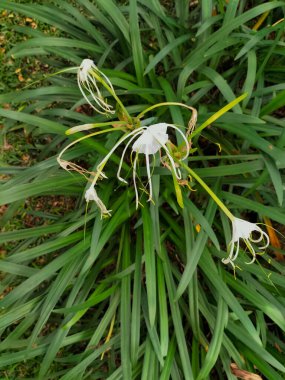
[(144, 295)]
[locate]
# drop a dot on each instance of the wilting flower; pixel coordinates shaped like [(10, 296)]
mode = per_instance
[(243, 229), (89, 77), (148, 141), (91, 195)]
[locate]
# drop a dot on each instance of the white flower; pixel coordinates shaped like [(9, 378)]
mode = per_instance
[(151, 139), (243, 229), (91, 195), (88, 77), (148, 141)]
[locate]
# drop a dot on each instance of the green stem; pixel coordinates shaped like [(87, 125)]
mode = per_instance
[(87, 137), (209, 191), (110, 90)]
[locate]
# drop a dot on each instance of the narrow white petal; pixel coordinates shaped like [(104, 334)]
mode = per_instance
[(236, 252), (123, 154), (106, 158), (98, 100), (251, 250), (267, 241), (148, 176), (176, 172), (134, 180), (107, 80)]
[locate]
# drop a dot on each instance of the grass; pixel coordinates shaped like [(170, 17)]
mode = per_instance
[(143, 294)]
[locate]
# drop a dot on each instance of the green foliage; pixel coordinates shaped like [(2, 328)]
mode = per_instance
[(144, 295)]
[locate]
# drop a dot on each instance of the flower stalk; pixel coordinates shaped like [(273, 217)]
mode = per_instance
[(241, 229), (209, 191)]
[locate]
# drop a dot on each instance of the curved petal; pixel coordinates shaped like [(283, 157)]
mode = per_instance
[(267, 241), (106, 158), (236, 252), (107, 80), (259, 230), (85, 97), (134, 180), (148, 175), (176, 172), (184, 138), (99, 99), (123, 154), (252, 251)]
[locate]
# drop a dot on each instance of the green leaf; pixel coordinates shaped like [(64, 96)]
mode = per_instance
[(217, 339), (125, 309), (177, 320), (196, 253), (277, 102), (118, 19), (150, 266), (276, 179), (166, 50), (136, 43), (46, 126)]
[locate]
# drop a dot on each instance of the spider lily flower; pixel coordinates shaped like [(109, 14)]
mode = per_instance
[(88, 76), (148, 141), (243, 229), (91, 195)]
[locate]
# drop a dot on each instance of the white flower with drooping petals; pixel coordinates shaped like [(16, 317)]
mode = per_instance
[(88, 85), (148, 141), (243, 229), (91, 195)]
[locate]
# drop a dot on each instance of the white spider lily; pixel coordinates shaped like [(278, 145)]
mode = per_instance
[(148, 141), (87, 79), (243, 229), (91, 195)]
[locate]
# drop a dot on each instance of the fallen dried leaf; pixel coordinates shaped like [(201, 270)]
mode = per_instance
[(242, 374), (276, 345), (6, 145), (21, 78), (25, 158)]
